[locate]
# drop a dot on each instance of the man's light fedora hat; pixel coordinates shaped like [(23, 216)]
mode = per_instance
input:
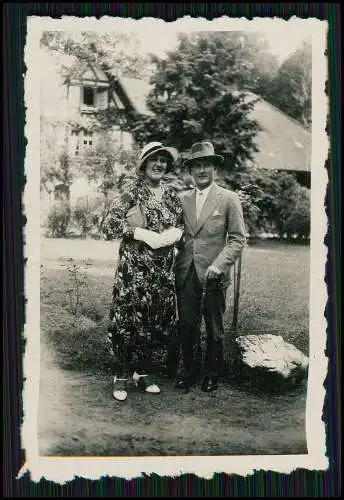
[(152, 148), (203, 150)]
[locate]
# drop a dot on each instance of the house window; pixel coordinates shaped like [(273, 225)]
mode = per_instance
[(61, 192), (88, 96), (87, 140), (74, 141), (81, 141)]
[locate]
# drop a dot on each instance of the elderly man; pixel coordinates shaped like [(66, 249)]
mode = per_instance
[(214, 239)]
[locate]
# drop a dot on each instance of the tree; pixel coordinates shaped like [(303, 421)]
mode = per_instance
[(105, 165), (50, 154), (259, 66), (193, 98), (113, 52), (293, 85), (298, 221), (273, 201)]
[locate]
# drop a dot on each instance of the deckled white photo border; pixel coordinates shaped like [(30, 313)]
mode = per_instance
[(63, 469)]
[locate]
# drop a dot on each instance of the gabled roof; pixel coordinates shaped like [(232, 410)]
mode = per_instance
[(90, 73), (284, 143), (137, 92), (100, 74)]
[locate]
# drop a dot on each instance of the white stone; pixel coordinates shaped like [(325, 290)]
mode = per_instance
[(270, 353)]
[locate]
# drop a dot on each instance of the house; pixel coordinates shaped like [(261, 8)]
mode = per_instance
[(283, 143), (68, 108), (87, 93)]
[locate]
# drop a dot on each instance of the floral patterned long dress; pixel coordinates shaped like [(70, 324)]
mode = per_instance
[(143, 310)]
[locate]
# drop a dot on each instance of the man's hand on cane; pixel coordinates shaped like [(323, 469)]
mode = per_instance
[(212, 273)]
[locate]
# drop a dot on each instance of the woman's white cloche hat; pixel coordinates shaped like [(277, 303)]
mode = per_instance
[(152, 148)]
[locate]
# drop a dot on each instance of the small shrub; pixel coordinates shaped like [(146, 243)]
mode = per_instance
[(78, 282), (83, 215), (58, 219), (89, 213)]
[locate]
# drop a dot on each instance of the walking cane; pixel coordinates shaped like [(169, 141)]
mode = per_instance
[(237, 280), (198, 345)]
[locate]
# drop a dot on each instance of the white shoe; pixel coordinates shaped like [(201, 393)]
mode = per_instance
[(154, 389), (119, 394), (139, 381)]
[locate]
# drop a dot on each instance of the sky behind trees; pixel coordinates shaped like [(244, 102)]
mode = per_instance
[(157, 37)]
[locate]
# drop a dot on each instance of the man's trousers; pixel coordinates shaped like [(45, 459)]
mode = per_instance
[(190, 318)]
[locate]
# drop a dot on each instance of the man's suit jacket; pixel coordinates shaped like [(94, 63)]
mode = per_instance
[(217, 238)]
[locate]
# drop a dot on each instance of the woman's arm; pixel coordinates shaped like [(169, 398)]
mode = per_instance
[(174, 236), (115, 225), (178, 207)]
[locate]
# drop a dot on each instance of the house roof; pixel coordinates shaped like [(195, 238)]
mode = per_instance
[(100, 74), (90, 73), (284, 144), (137, 92)]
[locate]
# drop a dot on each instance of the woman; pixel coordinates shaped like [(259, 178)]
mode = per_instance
[(143, 311)]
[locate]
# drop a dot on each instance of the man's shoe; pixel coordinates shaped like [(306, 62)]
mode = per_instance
[(209, 385), (182, 384), (144, 384)]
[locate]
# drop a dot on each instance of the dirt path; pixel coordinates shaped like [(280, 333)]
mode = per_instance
[(78, 416)]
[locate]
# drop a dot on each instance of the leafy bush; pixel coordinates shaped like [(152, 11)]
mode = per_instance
[(291, 207), (298, 222), (58, 219), (89, 212), (273, 201), (83, 215)]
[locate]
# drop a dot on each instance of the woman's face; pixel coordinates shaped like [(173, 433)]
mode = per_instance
[(156, 167)]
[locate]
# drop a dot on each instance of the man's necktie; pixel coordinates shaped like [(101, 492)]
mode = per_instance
[(199, 203)]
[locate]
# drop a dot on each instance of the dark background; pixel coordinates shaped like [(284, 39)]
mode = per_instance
[(263, 483)]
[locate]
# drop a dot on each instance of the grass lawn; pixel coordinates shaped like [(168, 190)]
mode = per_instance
[(76, 367)]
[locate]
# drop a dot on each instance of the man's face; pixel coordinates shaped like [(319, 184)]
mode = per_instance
[(203, 172)]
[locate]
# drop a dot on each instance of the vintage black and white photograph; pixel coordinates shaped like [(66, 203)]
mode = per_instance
[(175, 205)]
